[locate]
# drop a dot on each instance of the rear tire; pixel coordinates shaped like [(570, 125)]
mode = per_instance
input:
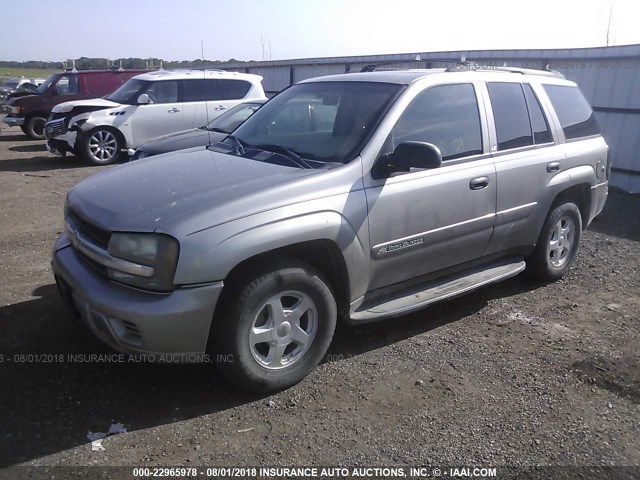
[(34, 127), (101, 146), (558, 243), (274, 327)]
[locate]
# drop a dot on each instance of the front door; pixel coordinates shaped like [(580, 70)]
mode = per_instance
[(424, 221), (164, 114)]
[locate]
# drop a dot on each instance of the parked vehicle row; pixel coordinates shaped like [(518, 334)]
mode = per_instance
[(30, 112), (146, 106), (15, 87), (354, 197)]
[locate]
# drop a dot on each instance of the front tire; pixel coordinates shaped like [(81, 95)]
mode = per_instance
[(101, 146), (275, 326), (34, 127), (558, 243)]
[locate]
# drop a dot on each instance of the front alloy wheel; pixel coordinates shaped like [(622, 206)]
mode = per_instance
[(273, 325), (283, 329), (101, 146)]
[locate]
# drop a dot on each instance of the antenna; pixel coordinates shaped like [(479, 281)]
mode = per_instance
[(206, 102), (609, 23)]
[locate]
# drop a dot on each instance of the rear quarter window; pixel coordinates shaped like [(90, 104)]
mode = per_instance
[(573, 110), (232, 89)]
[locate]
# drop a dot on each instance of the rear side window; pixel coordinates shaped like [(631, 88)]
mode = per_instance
[(575, 114), (511, 115), (196, 90), (201, 90), (539, 125), (446, 116)]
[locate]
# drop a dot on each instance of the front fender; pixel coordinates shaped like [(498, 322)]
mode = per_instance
[(211, 254)]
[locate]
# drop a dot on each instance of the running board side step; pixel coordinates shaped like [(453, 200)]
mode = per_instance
[(445, 288)]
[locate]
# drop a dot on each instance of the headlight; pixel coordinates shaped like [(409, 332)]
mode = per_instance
[(15, 109), (157, 251), (77, 125), (64, 108)]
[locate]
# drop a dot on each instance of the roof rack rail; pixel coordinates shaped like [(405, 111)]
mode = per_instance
[(464, 65)]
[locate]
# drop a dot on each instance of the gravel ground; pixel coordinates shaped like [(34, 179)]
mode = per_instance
[(519, 373)]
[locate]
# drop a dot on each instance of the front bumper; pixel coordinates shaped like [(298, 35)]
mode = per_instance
[(58, 147), (13, 121), (599, 194), (174, 325), (62, 144)]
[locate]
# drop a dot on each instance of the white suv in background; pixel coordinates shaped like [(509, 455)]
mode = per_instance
[(146, 106)]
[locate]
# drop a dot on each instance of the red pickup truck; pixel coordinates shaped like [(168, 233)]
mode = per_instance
[(30, 112)]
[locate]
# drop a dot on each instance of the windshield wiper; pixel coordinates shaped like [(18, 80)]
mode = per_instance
[(216, 129), (236, 143), (290, 154)]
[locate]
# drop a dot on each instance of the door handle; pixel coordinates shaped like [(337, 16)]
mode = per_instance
[(220, 107), (553, 167), (174, 110), (479, 183)]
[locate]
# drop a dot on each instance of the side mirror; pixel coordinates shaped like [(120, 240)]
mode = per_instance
[(408, 155), (143, 99)]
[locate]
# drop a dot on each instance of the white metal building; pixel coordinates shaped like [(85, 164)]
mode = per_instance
[(609, 77)]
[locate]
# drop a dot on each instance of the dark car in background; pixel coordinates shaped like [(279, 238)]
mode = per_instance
[(30, 112), (214, 131)]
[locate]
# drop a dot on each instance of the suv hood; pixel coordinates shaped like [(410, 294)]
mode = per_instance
[(98, 103), (158, 193)]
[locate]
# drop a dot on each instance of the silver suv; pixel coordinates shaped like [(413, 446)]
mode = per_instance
[(359, 196)]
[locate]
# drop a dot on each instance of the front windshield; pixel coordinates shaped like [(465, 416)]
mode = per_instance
[(323, 121), (47, 83), (232, 119), (128, 93)]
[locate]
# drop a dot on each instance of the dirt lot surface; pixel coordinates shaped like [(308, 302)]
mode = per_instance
[(520, 373)]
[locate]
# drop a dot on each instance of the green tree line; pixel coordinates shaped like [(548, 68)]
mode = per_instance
[(86, 63)]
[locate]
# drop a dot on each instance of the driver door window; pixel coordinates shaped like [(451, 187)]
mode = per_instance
[(446, 116), (163, 92), (67, 86)]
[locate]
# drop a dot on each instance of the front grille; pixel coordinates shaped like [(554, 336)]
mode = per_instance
[(54, 128), (132, 329), (90, 231)]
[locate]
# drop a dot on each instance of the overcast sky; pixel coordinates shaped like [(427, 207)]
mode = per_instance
[(173, 30)]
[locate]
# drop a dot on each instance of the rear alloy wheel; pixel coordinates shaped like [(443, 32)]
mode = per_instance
[(34, 127), (101, 146), (274, 327), (558, 243)]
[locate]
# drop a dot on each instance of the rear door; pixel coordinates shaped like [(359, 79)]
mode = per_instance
[(526, 157), (424, 221), (226, 94)]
